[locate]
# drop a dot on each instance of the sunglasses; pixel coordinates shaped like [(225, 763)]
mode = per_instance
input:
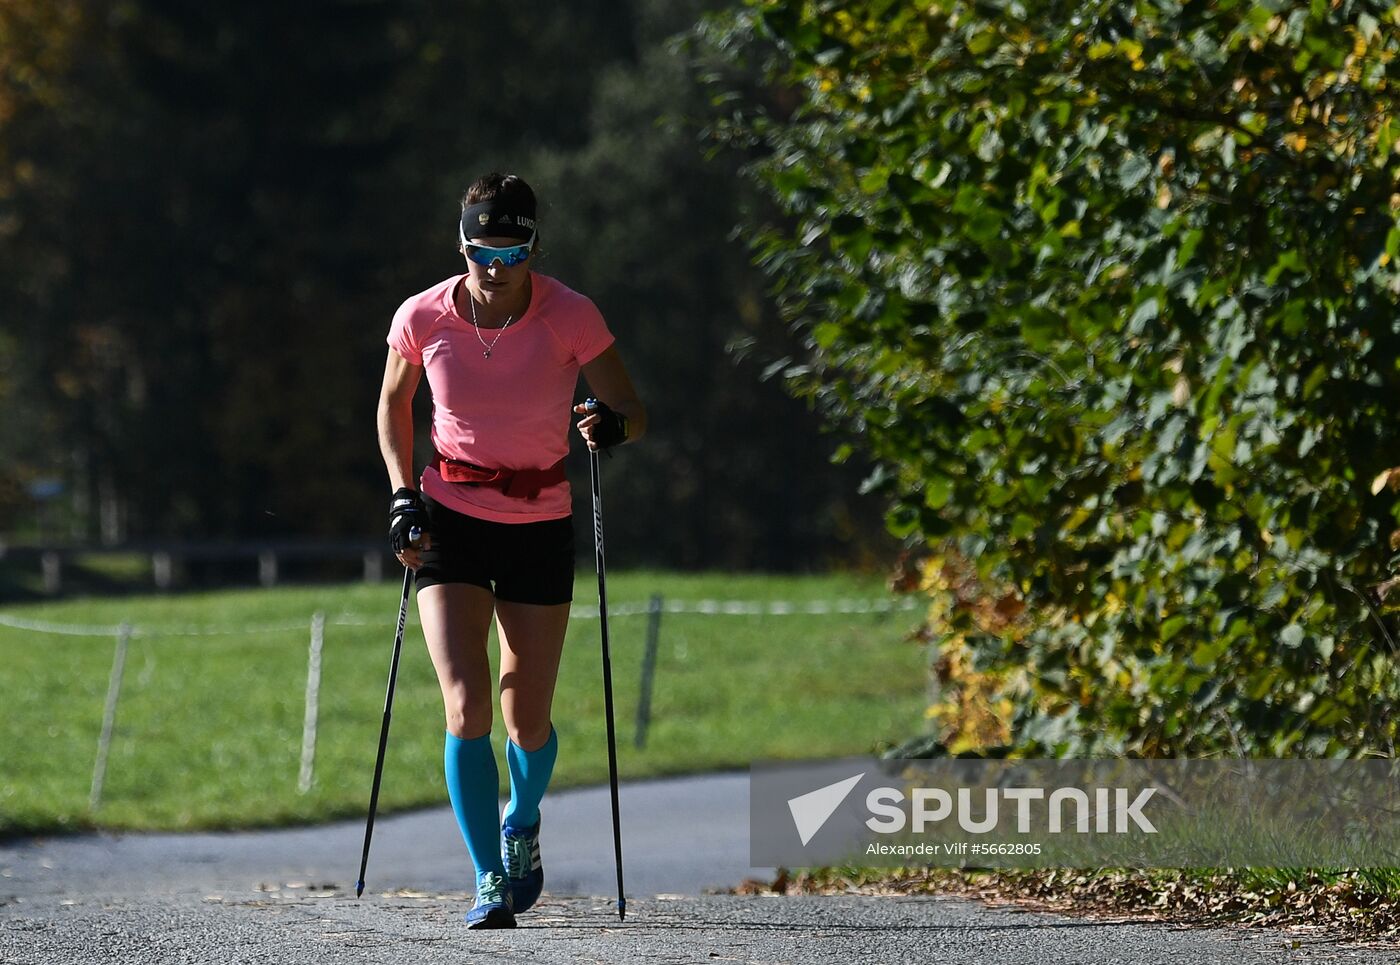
[(510, 257)]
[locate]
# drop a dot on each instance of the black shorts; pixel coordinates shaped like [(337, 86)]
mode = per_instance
[(519, 562)]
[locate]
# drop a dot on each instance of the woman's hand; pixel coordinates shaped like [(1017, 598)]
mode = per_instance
[(408, 528), (601, 427), (607, 379)]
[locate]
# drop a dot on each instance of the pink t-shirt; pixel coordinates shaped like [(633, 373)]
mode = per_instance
[(511, 411)]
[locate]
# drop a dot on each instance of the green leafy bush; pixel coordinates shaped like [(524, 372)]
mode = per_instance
[(1110, 291)]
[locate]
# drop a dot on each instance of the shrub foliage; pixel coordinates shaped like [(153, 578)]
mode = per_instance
[(1110, 291)]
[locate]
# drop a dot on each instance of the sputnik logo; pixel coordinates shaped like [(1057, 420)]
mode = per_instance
[(812, 810)]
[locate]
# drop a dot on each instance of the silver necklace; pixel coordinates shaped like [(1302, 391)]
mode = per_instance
[(509, 318)]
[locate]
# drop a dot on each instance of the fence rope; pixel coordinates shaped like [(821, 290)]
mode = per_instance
[(704, 607)]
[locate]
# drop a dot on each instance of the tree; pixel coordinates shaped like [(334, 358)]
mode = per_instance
[(210, 214), (42, 47), (177, 296), (734, 473), (1110, 292)]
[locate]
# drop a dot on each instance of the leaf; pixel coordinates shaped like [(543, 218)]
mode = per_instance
[(983, 41), (1189, 242), (985, 225), (1143, 314), (1133, 170), (1022, 526), (1286, 261), (1040, 328), (824, 334), (937, 491)]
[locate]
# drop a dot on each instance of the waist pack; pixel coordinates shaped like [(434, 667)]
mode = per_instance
[(517, 483)]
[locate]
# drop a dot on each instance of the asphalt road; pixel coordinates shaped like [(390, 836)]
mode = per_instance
[(288, 896), (683, 836)]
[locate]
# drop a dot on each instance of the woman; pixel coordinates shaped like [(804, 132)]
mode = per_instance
[(502, 346)]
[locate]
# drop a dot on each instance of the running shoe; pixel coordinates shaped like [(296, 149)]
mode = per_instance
[(520, 850), (492, 908)]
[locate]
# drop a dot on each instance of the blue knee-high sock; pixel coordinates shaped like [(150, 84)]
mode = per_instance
[(530, 772), (470, 766)]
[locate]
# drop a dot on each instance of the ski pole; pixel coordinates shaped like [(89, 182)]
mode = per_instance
[(607, 672), (384, 728)]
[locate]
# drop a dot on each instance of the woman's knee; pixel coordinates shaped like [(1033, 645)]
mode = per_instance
[(529, 735), (468, 719)]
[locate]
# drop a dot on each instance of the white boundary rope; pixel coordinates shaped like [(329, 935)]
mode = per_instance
[(109, 716), (746, 608), (585, 611), (125, 632)]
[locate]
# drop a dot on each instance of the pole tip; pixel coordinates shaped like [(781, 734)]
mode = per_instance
[(621, 909), (359, 888)]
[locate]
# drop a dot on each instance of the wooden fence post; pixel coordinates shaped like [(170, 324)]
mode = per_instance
[(313, 691), (648, 668)]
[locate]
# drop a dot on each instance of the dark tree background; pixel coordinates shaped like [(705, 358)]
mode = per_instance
[(209, 214)]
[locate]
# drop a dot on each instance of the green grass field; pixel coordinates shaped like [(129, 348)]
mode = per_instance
[(208, 730)]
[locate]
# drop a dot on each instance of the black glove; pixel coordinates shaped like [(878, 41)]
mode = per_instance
[(408, 520), (612, 430)]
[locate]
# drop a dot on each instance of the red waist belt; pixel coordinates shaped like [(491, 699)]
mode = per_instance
[(519, 483)]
